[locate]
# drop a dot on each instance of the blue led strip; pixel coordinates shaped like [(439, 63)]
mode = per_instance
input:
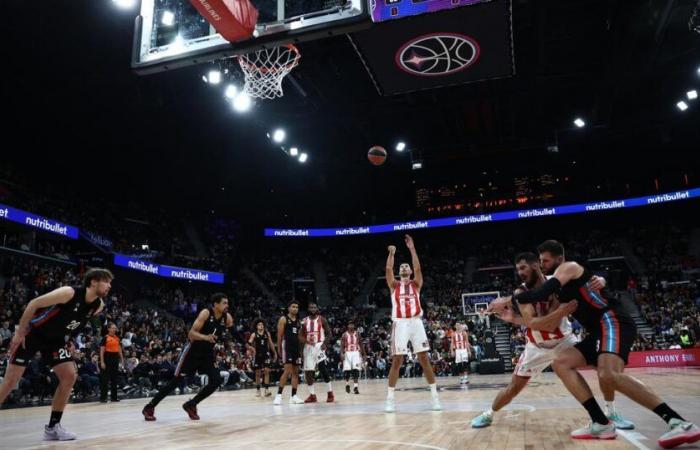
[(488, 217), (181, 273), (36, 221)]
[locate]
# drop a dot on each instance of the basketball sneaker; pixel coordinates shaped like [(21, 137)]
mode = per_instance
[(390, 405), (257, 393), (595, 431), (436, 406), (331, 397), (57, 433), (356, 391), (295, 400), (347, 388), (191, 410), (679, 432), (620, 422), (149, 413), (278, 400), (483, 420), (311, 399)]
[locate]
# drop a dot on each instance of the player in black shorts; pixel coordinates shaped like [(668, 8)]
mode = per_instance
[(607, 346), (288, 327), (260, 343), (46, 326), (198, 356)]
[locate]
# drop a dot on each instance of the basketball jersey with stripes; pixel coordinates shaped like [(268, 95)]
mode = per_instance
[(460, 340), (537, 336), (314, 329), (64, 319), (592, 306), (405, 300), (352, 341)]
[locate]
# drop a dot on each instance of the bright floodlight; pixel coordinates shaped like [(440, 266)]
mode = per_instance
[(231, 91), (579, 122), (279, 135), (293, 151), (417, 165), (124, 4), (242, 102), (692, 95), (401, 146), (168, 19), (303, 157), (214, 76), (682, 105)]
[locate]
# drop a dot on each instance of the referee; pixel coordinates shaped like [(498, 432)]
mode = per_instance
[(111, 357)]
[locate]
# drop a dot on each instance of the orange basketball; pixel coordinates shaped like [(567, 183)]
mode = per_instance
[(376, 155)]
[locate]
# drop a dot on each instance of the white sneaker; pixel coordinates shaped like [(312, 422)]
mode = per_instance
[(57, 433), (390, 405), (295, 400), (436, 406), (257, 394), (679, 433), (278, 400)]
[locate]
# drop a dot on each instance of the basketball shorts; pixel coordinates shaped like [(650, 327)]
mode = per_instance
[(352, 361), (411, 330), (461, 355), (53, 351), (536, 358), (610, 336), (313, 354)]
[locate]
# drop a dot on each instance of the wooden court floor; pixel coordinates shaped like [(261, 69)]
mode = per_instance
[(540, 418)]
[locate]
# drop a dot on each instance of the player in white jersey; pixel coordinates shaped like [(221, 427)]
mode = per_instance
[(459, 349), (352, 354), (407, 316), (548, 333), (316, 336)]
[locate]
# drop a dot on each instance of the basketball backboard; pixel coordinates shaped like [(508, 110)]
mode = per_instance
[(170, 34)]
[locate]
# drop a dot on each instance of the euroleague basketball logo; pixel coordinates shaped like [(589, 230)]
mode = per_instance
[(437, 54)]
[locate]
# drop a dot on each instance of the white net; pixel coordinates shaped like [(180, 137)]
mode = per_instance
[(265, 69)]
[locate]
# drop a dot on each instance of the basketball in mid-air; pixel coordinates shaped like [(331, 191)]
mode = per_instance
[(376, 155)]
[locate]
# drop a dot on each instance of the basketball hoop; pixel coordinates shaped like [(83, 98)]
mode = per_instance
[(265, 69)]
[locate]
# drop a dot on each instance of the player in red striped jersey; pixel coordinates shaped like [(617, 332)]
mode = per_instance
[(548, 333), (407, 314), (352, 354), (316, 336), (459, 350)]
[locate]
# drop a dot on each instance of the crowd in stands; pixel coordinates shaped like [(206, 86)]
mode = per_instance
[(153, 318)]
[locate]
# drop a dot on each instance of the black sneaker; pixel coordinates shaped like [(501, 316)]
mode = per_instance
[(356, 391), (191, 410), (149, 413), (347, 388)]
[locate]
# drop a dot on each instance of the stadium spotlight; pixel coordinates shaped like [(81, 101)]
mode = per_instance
[(278, 135), (401, 146), (303, 157), (242, 102), (293, 151), (231, 91), (124, 4), (692, 95), (167, 19), (579, 122), (682, 105), (214, 76)]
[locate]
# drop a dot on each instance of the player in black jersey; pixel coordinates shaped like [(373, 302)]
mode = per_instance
[(607, 346), (46, 326), (260, 343), (288, 327), (198, 356)]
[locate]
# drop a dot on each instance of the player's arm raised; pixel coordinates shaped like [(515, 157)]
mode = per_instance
[(417, 272), (389, 270), (194, 333)]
